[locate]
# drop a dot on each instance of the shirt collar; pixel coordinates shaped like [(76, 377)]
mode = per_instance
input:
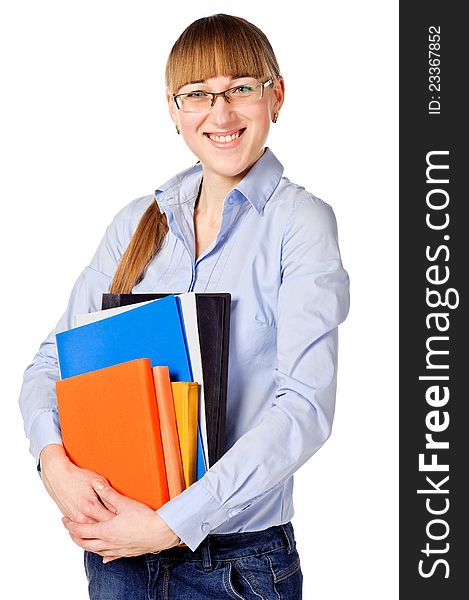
[(257, 186)]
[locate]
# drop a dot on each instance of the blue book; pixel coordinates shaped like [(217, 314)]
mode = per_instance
[(154, 330)]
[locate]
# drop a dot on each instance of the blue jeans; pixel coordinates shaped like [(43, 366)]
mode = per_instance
[(243, 566)]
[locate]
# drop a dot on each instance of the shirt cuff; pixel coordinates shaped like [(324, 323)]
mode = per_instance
[(44, 431), (193, 514)]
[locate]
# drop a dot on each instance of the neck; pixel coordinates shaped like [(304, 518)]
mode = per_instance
[(214, 189), (213, 192)]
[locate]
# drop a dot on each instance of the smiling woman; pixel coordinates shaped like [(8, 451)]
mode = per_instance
[(242, 112), (224, 54), (230, 223)]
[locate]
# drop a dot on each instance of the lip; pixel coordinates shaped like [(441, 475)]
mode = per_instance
[(229, 132), (226, 145)]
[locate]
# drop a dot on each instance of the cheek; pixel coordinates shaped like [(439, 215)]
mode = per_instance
[(260, 120), (260, 131), (190, 124)]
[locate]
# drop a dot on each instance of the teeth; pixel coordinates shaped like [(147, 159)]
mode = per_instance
[(224, 138)]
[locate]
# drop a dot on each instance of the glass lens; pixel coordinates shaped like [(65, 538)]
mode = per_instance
[(244, 94), (195, 102)]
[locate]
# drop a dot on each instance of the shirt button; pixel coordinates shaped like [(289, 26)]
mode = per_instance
[(205, 527), (230, 201)]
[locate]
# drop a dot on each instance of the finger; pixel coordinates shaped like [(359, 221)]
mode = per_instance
[(109, 496), (98, 512), (80, 520), (83, 530), (90, 507), (111, 510), (79, 542), (107, 559), (96, 546)]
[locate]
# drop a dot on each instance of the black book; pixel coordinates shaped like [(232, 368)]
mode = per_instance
[(213, 316)]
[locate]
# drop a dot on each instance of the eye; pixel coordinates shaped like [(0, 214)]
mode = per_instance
[(243, 89), (196, 94)]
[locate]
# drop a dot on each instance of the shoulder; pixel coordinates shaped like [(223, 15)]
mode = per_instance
[(118, 234), (301, 209), (131, 213), (125, 221)]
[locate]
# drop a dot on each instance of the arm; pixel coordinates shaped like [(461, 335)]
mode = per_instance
[(312, 301), (69, 486)]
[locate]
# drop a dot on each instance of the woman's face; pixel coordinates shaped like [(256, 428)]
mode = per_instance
[(252, 122)]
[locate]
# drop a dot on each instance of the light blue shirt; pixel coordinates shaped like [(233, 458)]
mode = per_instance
[(277, 254)]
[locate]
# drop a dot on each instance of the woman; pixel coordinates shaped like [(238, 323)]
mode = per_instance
[(231, 223)]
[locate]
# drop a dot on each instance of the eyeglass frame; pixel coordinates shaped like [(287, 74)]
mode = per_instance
[(215, 95)]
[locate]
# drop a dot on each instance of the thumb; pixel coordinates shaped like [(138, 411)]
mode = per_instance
[(110, 497)]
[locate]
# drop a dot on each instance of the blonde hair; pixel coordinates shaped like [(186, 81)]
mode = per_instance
[(209, 47), (219, 45)]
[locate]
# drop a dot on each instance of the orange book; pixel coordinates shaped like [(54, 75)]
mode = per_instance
[(186, 402), (169, 432), (110, 425)]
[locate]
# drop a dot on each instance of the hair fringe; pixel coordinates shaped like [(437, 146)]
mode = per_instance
[(219, 45)]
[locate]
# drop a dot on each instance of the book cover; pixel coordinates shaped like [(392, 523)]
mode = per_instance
[(110, 425), (153, 331)]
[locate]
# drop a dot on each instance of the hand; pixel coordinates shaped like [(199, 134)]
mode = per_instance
[(71, 487), (133, 530)]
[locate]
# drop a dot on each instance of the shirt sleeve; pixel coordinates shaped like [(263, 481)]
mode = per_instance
[(37, 400), (313, 299)]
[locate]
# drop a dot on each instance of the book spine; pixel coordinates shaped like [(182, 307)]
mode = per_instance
[(169, 432), (155, 452)]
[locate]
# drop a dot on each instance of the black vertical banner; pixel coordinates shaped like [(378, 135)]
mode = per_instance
[(434, 359)]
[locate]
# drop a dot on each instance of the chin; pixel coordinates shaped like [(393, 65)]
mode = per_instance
[(230, 166)]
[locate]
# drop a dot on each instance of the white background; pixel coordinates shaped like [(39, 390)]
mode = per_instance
[(85, 129)]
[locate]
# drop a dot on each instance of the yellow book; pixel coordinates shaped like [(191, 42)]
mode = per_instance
[(186, 405)]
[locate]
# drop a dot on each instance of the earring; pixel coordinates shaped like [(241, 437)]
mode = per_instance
[(275, 117), (178, 130)]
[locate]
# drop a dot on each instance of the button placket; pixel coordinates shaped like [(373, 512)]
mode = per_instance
[(239, 212)]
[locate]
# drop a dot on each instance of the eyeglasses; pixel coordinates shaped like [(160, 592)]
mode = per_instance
[(241, 95)]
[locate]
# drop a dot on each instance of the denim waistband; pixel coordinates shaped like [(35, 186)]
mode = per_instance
[(229, 546)]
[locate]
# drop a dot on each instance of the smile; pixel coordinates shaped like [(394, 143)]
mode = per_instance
[(227, 137)]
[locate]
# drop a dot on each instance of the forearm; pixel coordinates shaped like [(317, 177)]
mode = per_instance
[(37, 400), (288, 433), (52, 454)]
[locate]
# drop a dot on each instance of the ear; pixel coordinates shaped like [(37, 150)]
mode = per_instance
[(278, 94), (173, 112)]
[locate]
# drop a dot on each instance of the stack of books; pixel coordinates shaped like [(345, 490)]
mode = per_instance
[(142, 390)]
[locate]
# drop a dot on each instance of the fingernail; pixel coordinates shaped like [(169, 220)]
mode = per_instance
[(98, 485)]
